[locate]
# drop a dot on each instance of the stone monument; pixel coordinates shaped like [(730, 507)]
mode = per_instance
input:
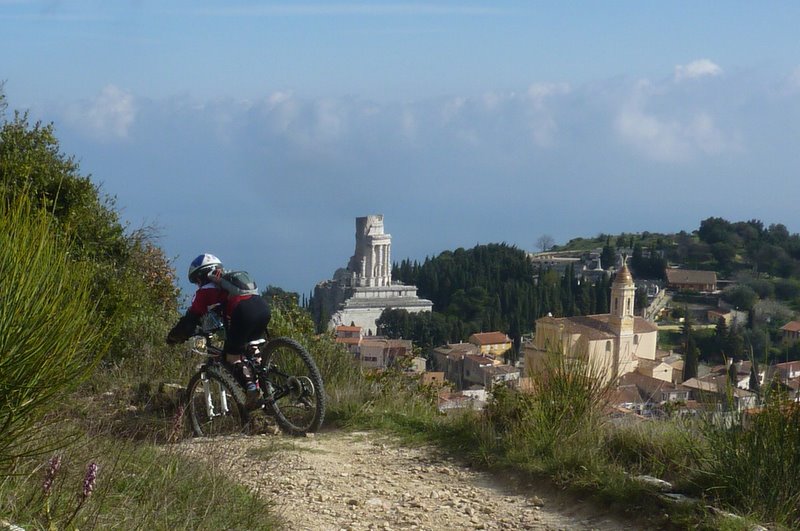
[(359, 293)]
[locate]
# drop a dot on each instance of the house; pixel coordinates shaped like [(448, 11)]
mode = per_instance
[(418, 364), (381, 353), (656, 369), (500, 374), (691, 280), (473, 369), (714, 316), (653, 390), (789, 370), (449, 401), (349, 336), (556, 261), (627, 396), (484, 371), (435, 378), (464, 366), (491, 343), (611, 343), (790, 332), (715, 387), (450, 360), (676, 362)]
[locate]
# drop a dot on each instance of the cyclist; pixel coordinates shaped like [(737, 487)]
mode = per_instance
[(245, 317)]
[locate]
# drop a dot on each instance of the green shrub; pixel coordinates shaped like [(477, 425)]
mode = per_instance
[(558, 427), (655, 448), (133, 286), (136, 486), (751, 463), (50, 334)]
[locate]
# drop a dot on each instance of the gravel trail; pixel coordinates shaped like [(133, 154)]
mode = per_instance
[(368, 481)]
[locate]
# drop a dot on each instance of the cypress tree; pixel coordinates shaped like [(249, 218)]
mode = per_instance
[(690, 350)]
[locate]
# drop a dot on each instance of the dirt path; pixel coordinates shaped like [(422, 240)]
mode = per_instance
[(366, 481)]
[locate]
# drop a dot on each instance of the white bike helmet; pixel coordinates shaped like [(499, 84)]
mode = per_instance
[(202, 266)]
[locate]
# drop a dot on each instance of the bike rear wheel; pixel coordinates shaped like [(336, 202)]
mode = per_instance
[(293, 386), (215, 403)]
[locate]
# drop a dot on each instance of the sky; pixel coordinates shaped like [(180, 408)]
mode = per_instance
[(259, 131)]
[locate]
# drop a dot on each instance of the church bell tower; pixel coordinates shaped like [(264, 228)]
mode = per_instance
[(623, 291)]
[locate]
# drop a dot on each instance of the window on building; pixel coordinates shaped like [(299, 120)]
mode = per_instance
[(636, 340), (608, 346)]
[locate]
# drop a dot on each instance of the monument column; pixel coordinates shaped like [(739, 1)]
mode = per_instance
[(388, 264)]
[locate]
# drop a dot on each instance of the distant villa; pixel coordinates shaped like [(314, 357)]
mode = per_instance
[(359, 293)]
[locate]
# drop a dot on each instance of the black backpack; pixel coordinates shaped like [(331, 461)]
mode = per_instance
[(238, 283)]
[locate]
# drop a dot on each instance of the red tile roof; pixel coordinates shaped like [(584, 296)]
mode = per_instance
[(791, 326), (342, 328), (490, 338)]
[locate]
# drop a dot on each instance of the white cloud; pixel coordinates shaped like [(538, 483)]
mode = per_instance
[(695, 69), (669, 139), (538, 93), (542, 125), (453, 107), (793, 81), (408, 124), (330, 121), (110, 115)]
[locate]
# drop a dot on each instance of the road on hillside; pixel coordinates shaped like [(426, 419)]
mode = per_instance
[(679, 327), (367, 481)]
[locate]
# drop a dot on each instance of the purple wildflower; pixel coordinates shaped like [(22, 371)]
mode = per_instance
[(50, 474), (177, 424), (90, 479)]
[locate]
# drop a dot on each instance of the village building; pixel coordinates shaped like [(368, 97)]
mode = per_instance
[(717, 389), (613, 344), (359, 293), (657, 369), (465, 367), (790, 332), (418, 365), (382, 353), (691, 280), (492, 344), (460, 400), (654, 391), (449, 359), (433, 378), (349, 336)]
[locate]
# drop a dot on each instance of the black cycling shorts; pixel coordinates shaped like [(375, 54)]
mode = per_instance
[(248, 322)]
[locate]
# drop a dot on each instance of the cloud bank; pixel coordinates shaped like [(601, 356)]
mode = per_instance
[(278, 180)]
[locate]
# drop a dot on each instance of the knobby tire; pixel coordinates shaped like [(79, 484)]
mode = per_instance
[(216, 408), (299, 404)]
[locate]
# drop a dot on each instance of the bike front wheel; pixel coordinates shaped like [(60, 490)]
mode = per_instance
[(293, 387), (215, 403)]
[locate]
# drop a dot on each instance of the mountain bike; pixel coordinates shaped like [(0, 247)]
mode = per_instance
[(291, 388)]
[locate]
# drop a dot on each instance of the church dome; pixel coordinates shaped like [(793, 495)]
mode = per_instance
[(624, 276)]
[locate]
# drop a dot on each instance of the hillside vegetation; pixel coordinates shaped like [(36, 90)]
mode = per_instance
[(495, 287)]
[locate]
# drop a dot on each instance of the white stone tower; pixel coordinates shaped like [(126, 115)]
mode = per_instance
[(371, 264)]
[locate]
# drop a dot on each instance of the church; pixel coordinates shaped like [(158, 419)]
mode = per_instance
[(615, 343), (358, 294)]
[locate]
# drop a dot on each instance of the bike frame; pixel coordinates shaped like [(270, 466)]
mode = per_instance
[(214, 356)]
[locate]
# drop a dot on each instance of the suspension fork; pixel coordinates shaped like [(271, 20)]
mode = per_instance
[(208, 392)]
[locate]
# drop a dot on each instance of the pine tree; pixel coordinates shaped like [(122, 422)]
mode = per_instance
[(754, 385), (721, 338)]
